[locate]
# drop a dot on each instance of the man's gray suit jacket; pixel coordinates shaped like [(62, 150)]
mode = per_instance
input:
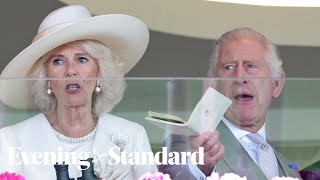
[(235, 160)]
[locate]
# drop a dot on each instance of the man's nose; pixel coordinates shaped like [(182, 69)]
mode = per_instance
[(240, 75)]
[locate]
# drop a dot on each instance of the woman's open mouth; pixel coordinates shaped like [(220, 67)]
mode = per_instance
[(73, 88)]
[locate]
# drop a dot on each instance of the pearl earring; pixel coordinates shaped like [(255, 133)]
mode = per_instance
[(97, 89), (49, 90)]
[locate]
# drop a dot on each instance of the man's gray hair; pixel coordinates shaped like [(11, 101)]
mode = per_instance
[(113, 86), (272, 55)]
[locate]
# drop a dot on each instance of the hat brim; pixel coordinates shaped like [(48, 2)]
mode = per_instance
[(126, 36)]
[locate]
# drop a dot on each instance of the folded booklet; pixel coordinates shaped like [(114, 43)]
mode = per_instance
[(205, 117)]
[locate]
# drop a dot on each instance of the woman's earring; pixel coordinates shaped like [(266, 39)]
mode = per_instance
[(97, 89), (49, 90)]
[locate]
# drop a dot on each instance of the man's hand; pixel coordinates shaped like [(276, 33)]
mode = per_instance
[(213, 150)]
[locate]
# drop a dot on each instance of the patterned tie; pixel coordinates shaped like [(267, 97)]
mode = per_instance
[(266, 157)]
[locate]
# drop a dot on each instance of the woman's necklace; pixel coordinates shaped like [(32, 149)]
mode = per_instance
[(84, 139)]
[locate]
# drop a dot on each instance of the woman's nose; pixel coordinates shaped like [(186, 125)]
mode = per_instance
[(71, 71)]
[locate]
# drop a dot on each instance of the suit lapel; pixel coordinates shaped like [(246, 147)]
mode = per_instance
[(47, 135), (284, 169), (235, 158), (281, 165), (40, 138), (102, 142)]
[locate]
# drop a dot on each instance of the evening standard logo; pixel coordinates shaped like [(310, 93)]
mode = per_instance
[(18, 157)]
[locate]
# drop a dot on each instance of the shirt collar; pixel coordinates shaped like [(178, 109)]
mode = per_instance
[(240, 133)]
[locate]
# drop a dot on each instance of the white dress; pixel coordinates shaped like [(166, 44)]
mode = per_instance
[(31, 147)]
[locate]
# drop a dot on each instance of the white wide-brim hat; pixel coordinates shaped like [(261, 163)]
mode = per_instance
[(126, 36)]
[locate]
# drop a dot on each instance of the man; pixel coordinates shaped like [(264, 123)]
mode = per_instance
[(255, 69)]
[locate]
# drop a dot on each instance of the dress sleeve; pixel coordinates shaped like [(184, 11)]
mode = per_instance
[(143, 145), (9, 151)]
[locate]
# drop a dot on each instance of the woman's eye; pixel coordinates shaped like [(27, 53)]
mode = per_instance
[(57, 62), (83, 59)]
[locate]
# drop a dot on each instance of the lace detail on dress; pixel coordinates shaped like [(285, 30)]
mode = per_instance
[(68, 140)]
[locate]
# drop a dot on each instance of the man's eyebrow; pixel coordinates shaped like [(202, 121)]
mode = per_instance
[(225, 61)]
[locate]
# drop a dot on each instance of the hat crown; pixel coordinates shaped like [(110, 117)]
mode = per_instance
[(67, 14), (127, 37)]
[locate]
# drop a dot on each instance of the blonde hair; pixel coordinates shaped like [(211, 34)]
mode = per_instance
[(112, 87)]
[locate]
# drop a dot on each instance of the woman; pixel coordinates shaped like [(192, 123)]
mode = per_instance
[(71, 50)]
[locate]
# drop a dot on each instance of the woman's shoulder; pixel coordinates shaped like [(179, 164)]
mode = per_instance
[(22, 130), (25, 124), (116, 121)]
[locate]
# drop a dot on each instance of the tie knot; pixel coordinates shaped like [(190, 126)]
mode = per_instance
[(256, 138), (259, 140)]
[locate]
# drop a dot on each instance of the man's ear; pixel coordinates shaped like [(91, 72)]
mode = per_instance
[(278, 85)]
